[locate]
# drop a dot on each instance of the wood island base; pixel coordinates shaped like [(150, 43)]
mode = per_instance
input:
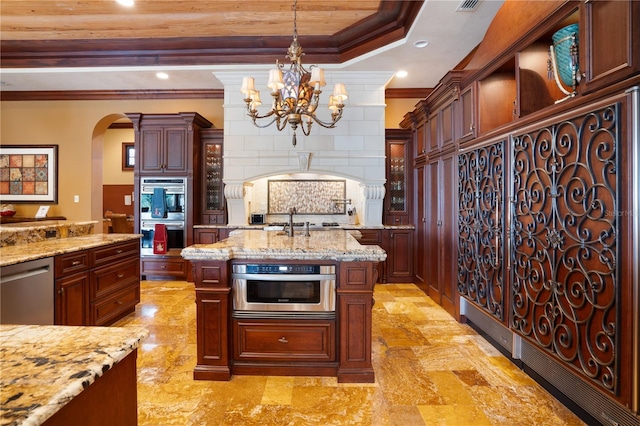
[(337, 348)]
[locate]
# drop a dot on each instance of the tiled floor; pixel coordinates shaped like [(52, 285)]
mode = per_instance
[(430, 370)]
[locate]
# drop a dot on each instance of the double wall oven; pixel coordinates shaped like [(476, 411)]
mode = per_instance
[(284, 291), (170, 193)]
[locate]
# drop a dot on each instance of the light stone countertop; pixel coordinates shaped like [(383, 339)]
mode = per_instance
[(11, 255), (44, 367), (336, 245)]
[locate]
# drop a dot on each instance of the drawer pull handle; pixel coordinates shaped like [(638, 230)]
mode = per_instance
[(119, 251), (283, 340), (120, 275), (75, 263), (119, 302)]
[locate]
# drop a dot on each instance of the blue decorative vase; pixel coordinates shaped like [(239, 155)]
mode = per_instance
[(566, 60)]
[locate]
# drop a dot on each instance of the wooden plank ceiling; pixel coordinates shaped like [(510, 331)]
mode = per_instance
[(46, 33)]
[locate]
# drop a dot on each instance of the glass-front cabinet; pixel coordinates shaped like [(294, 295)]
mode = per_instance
[(213, 205), (397, 173)]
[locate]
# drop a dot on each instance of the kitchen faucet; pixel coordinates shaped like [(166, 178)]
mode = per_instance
[(292, 211)]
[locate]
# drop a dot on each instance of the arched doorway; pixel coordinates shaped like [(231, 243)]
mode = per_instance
[(109, 180)]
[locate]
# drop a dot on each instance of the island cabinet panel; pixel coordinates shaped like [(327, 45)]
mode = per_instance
[(375, 237), (355, 302), (282, 341), (213, 312), (110, 400), (212, 317)]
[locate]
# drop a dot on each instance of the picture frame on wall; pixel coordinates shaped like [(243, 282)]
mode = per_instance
[(29, 174), (128, 155)]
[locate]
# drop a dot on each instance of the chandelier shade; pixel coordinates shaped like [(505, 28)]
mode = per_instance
[(295, 92)]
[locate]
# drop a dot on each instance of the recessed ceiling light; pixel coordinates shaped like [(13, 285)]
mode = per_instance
[(402, 74), (420, 43), (162, 75), (127, 3)]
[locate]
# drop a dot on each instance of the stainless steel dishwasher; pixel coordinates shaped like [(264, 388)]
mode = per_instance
[(27, 292)]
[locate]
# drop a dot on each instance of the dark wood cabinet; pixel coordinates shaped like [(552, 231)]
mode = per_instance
[(170, 145), (213, 201), (167, 144), (397, 204), (71, 299), (205, 236), (420, 235), (164, 267), (282, 341), (466, 117), (163, 151), (97, 286), (436, 230), (399, 248), (228, 344), (610, 42)]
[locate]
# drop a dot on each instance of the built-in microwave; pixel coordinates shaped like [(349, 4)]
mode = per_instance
[(271, 290)]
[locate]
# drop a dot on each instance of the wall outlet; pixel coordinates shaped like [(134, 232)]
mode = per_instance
[(76, 198)]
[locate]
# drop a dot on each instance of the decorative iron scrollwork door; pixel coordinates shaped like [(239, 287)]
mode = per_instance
[(480, 226), (565, 288)]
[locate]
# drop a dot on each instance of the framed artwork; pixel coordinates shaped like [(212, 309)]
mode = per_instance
[(128, 156), (29, 173)]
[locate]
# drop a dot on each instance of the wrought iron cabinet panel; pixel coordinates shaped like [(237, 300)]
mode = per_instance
[(572, 279), (481, 209)]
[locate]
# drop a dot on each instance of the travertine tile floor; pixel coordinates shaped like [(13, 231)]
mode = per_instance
[(430, 370)]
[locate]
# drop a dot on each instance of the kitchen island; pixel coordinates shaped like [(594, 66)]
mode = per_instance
[(57, 375), (338, 345)]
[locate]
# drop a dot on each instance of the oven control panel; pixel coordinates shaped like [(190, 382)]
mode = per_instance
[(280, 269)]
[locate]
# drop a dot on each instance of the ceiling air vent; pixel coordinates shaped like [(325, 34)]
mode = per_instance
[(468, 5)]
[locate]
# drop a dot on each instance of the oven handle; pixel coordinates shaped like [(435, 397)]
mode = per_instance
[(150, 226), (283, 277)]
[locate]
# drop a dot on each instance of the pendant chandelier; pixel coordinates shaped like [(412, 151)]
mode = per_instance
[(296, 93)]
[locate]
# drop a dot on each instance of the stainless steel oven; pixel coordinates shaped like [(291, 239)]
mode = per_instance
[(170, 192), (284, 290), (163, 200)]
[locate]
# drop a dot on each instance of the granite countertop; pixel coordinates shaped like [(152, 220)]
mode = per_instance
[(341, 226), (11, 255), (44, 367), (337, 245)]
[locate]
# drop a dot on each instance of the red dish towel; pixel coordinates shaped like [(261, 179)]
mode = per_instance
[(160, 239)]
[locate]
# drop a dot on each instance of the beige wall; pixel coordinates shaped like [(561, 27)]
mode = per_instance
[(112, 173), (396, 110), (78, 129)]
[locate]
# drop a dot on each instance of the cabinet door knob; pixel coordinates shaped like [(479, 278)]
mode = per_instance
[(283, 340)]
